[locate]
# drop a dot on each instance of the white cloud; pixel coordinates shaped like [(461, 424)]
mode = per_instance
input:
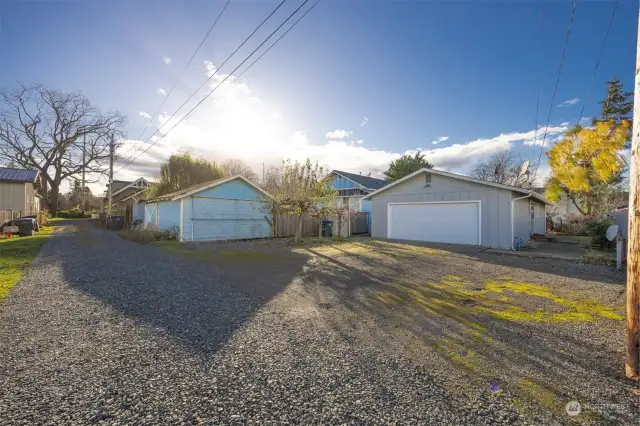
[(554, 134), (233, 123), (440, 139), (145, 115), (569, 102), (166, 60), (364, 122), (162, 92), (338, 134)]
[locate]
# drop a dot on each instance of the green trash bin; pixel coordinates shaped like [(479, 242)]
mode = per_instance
[(327, 228)]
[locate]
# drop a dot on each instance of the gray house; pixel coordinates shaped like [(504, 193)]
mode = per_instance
[(432, 205)]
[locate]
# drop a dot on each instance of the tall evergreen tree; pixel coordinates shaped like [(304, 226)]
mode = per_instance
[(406, 165)]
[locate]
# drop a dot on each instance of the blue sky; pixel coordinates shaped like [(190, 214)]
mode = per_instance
[(417, 70)]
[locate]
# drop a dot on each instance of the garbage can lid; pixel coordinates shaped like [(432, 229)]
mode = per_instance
[(327, 221)]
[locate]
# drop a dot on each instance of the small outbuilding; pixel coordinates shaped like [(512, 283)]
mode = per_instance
[(224, 209), (437, 206)]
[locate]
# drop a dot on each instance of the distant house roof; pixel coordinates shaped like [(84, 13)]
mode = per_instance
[(465, 178), (181, 193), (366, 181), (18, 175)]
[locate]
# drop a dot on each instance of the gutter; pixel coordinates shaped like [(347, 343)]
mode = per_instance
[(512, 209)]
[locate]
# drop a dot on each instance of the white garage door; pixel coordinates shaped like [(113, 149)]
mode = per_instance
[(445, 222)]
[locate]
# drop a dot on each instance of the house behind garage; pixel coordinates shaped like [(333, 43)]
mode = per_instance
[(225, 209), (436, 206)]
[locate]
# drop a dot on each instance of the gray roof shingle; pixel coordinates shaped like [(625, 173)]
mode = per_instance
[(17, 175), (366, 181)]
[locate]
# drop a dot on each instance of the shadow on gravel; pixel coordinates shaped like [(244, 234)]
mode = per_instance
[(198, 303), (545, 349), (601, 273)]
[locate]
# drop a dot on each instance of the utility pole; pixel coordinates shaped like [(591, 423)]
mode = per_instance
[(84, 155), (633, 242), (111, 152)]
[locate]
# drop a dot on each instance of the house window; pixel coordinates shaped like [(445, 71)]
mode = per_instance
[(427, 180)]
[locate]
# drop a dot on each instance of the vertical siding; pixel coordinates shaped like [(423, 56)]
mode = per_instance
[(367, 207), (495, 205), (168, 214), (522, 218), (232, 210), (208, 219), (13, 197)]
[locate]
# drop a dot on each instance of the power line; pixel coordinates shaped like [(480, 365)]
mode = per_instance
[(279, 38), (535, 138), (555, 90), (223, 81), (206, 36), (595, 70), (218, 68)]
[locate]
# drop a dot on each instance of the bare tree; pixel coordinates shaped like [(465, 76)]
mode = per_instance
[(43, 129), (505, 168), (234, 167), (297, 188)]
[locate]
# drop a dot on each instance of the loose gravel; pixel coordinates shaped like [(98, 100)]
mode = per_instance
[(105, 331)]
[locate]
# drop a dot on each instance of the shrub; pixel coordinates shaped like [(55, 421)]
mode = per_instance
[(74, 213), (574, 224), (597, 230), (151, 234)]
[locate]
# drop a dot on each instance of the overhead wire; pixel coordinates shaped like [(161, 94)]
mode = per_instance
[(535, 138), (217, 69), (204, 39), (223, 80), (595, 70), (555, 90)]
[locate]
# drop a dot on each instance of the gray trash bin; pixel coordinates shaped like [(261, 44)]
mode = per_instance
[(26, 225)]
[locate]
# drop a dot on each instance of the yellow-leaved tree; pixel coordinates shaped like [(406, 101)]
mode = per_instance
[(586, 163)]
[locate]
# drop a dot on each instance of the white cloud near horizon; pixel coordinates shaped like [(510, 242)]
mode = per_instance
[(161, 92), (144, 115), (234, 123), (440, 139), (166, 60), (569, 102), (338, 134)]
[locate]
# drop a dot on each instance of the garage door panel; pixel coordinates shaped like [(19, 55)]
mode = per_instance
[(456, 223), (219, 219)]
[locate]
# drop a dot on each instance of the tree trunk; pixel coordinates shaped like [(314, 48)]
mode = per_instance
[(298, 235), (53, 200)]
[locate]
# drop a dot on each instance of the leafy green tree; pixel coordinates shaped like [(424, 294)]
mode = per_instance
[(182, 171), (406, 165)]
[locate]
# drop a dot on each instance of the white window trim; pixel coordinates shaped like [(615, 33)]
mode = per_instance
[(479, 202)]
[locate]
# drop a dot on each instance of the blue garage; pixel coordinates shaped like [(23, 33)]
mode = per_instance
[(225, 209)]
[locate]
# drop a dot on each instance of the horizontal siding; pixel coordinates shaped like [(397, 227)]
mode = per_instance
[(340, 182)]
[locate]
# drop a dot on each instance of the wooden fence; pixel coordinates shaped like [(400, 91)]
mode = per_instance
[(7, 215), (285, 225)]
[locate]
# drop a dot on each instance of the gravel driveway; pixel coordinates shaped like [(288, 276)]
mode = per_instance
[(103, 330)]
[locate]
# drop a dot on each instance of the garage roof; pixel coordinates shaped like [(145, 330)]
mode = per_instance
[(465, 178), (193, 189), (8, 174)]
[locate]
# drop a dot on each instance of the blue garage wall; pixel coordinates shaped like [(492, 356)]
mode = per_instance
[(168, 214), (236, 189), (228, 211)]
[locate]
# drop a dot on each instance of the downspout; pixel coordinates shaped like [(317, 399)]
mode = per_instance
[(512, 228)]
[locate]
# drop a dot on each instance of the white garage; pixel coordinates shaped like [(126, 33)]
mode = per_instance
[(437, 206), (438, 221)]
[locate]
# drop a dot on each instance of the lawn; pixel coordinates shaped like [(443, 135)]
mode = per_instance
[(16, 254)]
